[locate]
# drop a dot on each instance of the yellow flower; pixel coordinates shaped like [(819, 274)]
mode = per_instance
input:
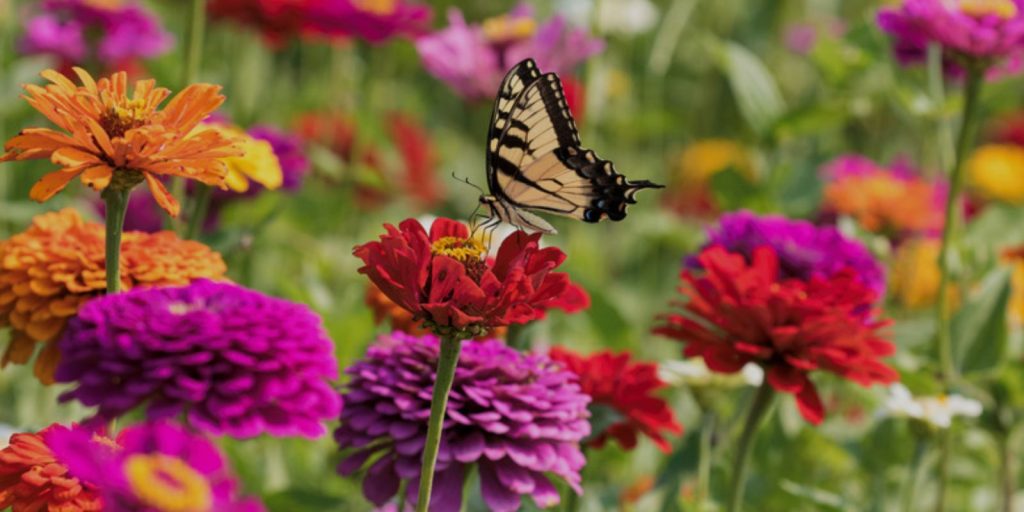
[(914, 276), (258, 162), (1015, 256), (996, 171), (707, 157)]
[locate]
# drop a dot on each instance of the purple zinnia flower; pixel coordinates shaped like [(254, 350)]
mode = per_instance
[(517, 417), (472, 59), (372, 20), (982, 30), (232, 360), (80, 30), (151, 467), (289, 151), (804, 250)]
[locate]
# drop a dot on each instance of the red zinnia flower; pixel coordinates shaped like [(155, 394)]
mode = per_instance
[(419, 158), (627, 387), (32, 479), (444, 279), (740, 312)]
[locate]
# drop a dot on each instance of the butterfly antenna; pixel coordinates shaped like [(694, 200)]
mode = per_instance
[(470, 183)]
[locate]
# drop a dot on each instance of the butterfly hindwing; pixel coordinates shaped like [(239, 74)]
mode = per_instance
[(536, 161)]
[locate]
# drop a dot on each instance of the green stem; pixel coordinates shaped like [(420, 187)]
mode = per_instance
[(190, 72), (915, 474), (704, 455), (200, 207), (937, 91), (758, 407), (945, 453), (117, 205), (1007, 478), (446, 364), (975, 75)]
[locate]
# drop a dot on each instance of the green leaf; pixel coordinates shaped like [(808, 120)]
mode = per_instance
[(980, 328), (302, 499), (753, 86), (732, 190), (608, 320)]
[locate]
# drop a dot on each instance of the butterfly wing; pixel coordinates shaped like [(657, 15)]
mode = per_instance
[(535, 160)]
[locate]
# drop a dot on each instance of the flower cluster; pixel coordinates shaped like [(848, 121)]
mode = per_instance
[(152, 467), (112, 34), (742, 310), (971, 32), (895, 201), (623, 389), (32, 478), (49, 271), (232, 360), (517, 418), (473, 58), (116, 140), (804, 250), (444, 279)]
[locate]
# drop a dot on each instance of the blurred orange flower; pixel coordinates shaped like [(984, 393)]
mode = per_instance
[(110, 137), (689, 190), (31, 479), (1015, 257), (885, 202), (51, 269)]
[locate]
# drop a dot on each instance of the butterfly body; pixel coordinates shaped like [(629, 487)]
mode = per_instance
[(535, 162)]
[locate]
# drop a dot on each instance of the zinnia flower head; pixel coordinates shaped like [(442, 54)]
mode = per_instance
[(84, 31), (33, 478), (291, 156), (804, 250), (232, 360), (112, 139), (49, 271), (618, 386), (1014, 256), (158, 467), (969, 31), (742, 310), (994, 172), (472, 59), (690, 187), (518, 418), (444, 278), (276, 20), (894, 201)]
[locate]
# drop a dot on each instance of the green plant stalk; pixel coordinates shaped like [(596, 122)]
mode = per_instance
[(915, 472), (200, 208), (117, 205), (446, 364), (944, 339), (758, 407), (704, 456), (1007, 478), (190, 71), (937, 91), (945, 453)]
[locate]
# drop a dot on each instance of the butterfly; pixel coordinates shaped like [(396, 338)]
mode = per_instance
[(535, 161)]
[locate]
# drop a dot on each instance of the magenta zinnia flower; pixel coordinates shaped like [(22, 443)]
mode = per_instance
[(78, 31), (986, 31), (232, 360), (517, 418), (373, 20), (151, 467), (472, 59)]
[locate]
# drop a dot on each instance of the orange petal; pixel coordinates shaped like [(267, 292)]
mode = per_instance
[(97, 177), (162, 196), (19, 350), (49, 185), (46, 364), (73, 157)]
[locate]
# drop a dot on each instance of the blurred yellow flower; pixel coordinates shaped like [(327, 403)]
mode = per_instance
[(707, 157), (1015, 257), (996, 171), (258, 162), (914, 276)]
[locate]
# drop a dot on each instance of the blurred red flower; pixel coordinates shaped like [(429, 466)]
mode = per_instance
[(419, 157), (738, 312), (277, 20), (31, 478), (627, 387), (444, 279)]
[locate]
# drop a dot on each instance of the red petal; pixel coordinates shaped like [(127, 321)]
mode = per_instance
[(787, 379), (442, 227), (809, 403)]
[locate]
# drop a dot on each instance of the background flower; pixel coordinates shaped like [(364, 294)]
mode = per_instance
[(231, 360), (515, 417), (152, 466), (33, 478), (626, 387), (373, 20), (49, 271), (937, 411)]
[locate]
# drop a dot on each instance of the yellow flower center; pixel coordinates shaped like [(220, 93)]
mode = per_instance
[(464, 250), (168, 484), (505, 28), (1004, 9), (378, 7), (118, 119), (105, 4)]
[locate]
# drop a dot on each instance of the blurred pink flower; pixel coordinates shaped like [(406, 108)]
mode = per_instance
[(473, 58), (986, 31), (373, 20)]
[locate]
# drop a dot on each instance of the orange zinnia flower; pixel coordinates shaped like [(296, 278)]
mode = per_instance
[(51, 269), (31, 479), (110, 137)]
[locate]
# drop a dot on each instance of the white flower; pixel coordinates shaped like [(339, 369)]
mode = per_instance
[(938, 411), (694, 373), (625, 17)]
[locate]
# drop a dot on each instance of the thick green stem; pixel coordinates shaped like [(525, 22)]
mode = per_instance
[(117, 205), (1007, 479), (200, 208), (915, 472), (190, 70), (446, 364), (760, 405), (965, 139), (704, 456)]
